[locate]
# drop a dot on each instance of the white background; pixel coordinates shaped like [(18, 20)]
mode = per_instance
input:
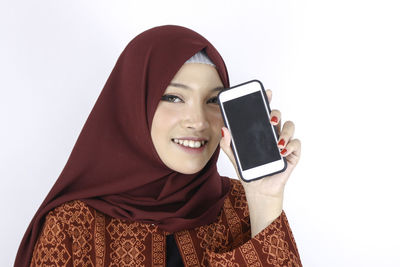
[(333, 67)]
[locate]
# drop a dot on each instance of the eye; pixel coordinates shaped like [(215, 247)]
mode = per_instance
[(213, 100), (171, 98)]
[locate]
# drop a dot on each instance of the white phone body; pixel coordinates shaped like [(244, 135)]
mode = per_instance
[(246, 114)]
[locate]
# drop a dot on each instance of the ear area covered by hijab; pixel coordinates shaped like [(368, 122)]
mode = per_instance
[(114, 166)]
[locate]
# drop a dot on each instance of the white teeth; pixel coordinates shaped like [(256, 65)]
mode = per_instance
[(189, 143)]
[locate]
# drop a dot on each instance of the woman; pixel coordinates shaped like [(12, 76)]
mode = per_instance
[(141, 187)]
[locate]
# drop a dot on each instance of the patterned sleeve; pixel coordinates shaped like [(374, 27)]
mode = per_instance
[(66, 237), (273, 246), (54, 245)]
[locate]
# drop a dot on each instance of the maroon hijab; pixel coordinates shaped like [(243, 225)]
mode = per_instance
[(114, 166)]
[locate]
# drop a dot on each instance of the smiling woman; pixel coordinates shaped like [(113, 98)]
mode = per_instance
[(187, 124), (141, 186)]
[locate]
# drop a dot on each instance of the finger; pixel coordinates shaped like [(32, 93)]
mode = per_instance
[(292, 148), (275, 120), (286, 134), (268, 92), (225, 145), (277, 114)]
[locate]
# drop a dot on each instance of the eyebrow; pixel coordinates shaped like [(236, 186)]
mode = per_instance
[(184, 86)]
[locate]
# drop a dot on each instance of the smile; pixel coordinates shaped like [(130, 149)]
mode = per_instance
[(190, 143)]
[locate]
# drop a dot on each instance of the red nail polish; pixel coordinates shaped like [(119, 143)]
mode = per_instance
[(283, 151), (274, 119), (222, 133), (282, 142)]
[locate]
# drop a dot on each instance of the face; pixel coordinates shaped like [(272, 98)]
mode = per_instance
[(186, 127)]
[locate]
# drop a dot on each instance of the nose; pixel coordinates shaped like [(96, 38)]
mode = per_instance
[(195, 118)]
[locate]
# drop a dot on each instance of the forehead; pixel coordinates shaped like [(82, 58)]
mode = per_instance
[(194, 73)]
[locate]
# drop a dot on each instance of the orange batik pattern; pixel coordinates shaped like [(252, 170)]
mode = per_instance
[(75, 234)]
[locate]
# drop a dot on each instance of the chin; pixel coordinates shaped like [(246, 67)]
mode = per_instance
[(189, 169)]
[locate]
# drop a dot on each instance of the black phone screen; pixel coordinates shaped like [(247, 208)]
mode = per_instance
[(251, 130)]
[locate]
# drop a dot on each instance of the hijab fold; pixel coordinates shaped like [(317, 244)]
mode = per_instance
[(114, 166)]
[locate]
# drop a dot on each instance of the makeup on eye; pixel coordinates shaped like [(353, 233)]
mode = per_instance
[(213, 100), (171, 98), (176, 99)]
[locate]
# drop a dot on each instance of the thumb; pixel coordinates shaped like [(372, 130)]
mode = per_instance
[(225, 145)]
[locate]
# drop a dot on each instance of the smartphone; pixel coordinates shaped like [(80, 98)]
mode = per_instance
[(246, 114)]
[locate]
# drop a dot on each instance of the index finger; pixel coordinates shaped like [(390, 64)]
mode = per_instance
[(269, 95)]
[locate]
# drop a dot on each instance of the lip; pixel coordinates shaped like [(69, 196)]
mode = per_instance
[(191, 138)]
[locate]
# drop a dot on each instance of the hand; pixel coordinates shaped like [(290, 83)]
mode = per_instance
[(265, 196), (270, 186)]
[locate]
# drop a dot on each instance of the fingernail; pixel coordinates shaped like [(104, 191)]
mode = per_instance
[(274, 119), (222, 133), (281, 143), (283, 152)]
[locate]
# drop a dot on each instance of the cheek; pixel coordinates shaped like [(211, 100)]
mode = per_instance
[(216, 120), (164, 119), (216, 123)]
